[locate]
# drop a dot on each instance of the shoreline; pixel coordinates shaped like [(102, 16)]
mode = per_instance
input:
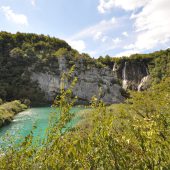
[(9, 110)]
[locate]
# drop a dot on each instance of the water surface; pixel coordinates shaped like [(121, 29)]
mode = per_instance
[(24, 122)]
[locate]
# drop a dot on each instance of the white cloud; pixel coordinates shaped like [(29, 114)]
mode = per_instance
[(116, 40), (97, 30), (152, 24), (127, 53), (33, 2), (10, 15), (92, 53), (125, 34), (104, 38), (128, 5), (77, 44), (98, 35), (130, 46), (114, 43)]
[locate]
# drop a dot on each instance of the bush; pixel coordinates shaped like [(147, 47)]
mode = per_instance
[(9, 109), (134, 135), (62, 52)]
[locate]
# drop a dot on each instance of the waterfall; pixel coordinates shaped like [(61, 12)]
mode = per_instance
[(147, 71), (125, 81), (114, 67), (144, 80), (115, 70)]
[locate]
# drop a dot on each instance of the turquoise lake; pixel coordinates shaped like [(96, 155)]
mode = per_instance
[(23, 124)]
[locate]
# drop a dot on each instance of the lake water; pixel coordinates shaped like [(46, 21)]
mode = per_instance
[(23, 124)]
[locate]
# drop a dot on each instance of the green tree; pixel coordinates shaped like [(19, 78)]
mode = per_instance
[(16, 53)]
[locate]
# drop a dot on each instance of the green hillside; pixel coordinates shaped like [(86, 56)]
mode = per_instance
[(22, 52), (18, 52)]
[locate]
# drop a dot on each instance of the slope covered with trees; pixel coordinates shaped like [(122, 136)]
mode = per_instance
[(21, 53), (18, 52)]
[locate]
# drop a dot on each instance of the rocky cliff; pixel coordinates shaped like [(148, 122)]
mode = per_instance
[(31, 66), (134, 75), (92, 80), (103, 82)]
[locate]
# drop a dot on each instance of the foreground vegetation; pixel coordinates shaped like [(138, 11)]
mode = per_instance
[(134, 135), (9, 109)]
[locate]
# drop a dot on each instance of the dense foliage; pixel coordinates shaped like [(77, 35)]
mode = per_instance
[(18, 53), (24, 53), (9, 109), (134, 135)]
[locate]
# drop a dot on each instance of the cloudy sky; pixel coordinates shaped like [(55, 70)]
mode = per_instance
[(97, 27)]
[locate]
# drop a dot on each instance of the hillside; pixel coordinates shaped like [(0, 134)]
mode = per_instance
[(18, 52), (32, 65), (140, 71)]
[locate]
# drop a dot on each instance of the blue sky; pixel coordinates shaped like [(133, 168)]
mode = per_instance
[(97, 27)]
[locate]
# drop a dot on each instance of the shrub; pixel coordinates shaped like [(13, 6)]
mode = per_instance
[(134, 135)]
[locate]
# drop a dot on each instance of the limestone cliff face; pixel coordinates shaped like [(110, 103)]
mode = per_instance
[(133, 74), (91, 81)]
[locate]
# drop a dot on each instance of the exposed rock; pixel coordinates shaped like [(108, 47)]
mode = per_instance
[(132, 73), (49, 83), (145, 83), (91, 81)]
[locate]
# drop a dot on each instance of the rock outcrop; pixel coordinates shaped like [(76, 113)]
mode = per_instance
[(145, 83), (91, 81), (133, 74), (102, 82)]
